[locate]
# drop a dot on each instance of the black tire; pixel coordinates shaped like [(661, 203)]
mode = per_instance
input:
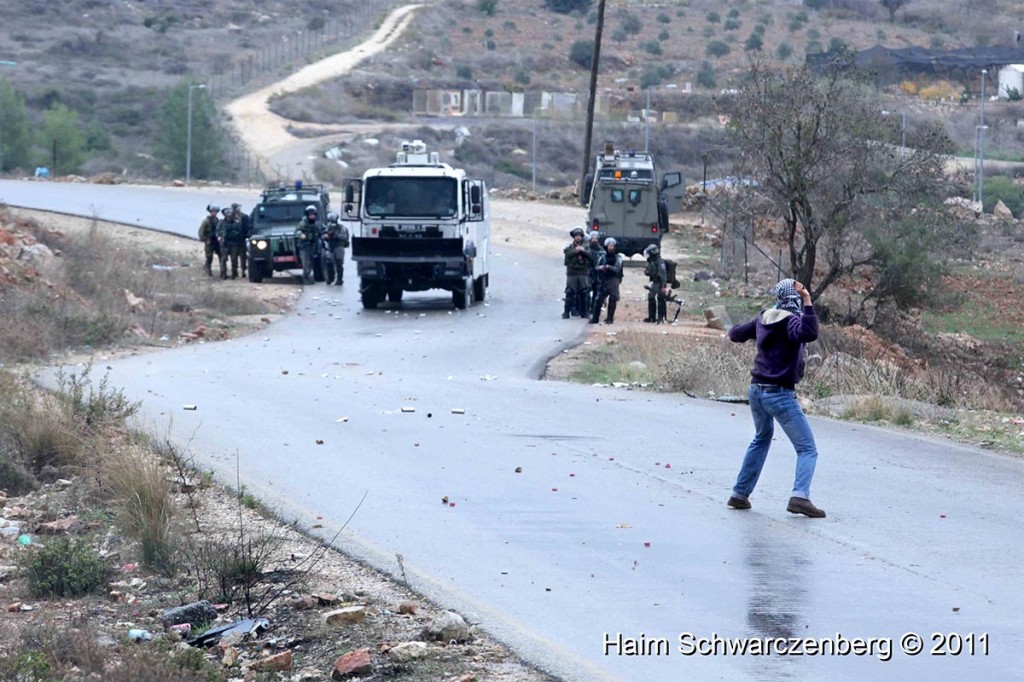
[(395, 295), (480, 288), (460, 299), (255, 272), (369, 299)]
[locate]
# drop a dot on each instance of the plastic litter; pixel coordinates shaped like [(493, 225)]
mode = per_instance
[(24, 539), (139, 635), (249, 626)]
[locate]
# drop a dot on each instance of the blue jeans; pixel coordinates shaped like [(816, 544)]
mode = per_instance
[(768, 403)]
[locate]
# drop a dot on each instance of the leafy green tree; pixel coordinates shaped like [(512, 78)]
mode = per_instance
[(706, 75), (718, 48), (630, 23), (893, 6), (207, 135), (15, 138), (488, 7), (783, 51), (581, 53), (60, 130), (754, 42), (853, 205), (568, 6)]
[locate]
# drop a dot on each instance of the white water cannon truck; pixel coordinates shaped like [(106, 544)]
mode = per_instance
[(421, 225)]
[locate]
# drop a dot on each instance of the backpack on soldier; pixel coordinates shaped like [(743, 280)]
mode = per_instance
[(670, 273)]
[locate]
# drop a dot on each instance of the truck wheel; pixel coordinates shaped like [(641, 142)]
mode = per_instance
[(369, 299), (480, 287), (460, 298), (395, 295)]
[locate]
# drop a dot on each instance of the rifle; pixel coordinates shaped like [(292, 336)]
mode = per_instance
[(672, 298)]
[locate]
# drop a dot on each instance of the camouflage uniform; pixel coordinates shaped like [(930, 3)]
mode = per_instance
[(232, 240), (577, 277), (609, 269), (656, 296), (596, 251), (208, 236), (246, 232), (307, 243), (336, 240)]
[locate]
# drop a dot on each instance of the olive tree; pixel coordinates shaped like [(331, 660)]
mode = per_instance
[(854, 205), (207, 135)]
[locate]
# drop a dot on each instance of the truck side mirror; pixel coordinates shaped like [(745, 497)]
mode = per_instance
[(671, 180), (475, 198), (348, 209), (349, 198)]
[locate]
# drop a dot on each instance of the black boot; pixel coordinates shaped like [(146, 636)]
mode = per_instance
[(652, 312), (611, 311), (595, 316), (662, 309), (567, 310)]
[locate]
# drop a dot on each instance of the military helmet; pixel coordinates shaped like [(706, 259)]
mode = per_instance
[(651, 250), (576, 231), (332, 217), (213, 207), (227, 210), (610, 241), (594, 234), (310, 209)]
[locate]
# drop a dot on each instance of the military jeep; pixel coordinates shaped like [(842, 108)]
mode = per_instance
[(271, 246)]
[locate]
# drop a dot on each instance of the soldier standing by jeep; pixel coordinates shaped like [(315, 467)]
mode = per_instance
[(609, 270), (336, 240), (232, 242), (246, 231), (307, 240), (578, 262), (208, 236), (657, 291)]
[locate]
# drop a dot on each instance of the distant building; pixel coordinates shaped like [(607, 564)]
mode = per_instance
[(1011, 78)]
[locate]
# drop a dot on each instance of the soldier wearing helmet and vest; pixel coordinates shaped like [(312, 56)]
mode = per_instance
[(578, 261), (336, 240), (307, 242), (208, 236), (657, 291), (232, 242), (609, 270)]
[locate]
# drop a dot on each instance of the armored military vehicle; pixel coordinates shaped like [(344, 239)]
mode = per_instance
[(271, 247), (627, 200), (421, 225)]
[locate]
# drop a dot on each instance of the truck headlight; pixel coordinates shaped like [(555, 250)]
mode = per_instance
[(259, 244)]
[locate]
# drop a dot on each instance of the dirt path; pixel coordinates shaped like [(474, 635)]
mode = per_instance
[(264, 132)]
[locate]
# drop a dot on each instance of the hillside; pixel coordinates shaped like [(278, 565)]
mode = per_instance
[(113, 64)]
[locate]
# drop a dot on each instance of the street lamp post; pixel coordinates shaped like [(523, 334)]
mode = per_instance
[(981, 145), (188, 149)]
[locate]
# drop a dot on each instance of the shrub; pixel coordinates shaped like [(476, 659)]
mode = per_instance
[(783, 51), (663, 36), (753, 42), (64, 567), (1001, 188), (731, 25), (581, 53), (568, 6), (706, 76), (488, 7), (718, 48), (651, 47), (664, 18), (712, 17), (464, 72), (941, 90)]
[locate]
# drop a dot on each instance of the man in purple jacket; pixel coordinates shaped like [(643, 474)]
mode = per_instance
[(780, 332)]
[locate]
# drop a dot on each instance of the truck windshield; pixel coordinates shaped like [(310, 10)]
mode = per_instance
[(410, 197)]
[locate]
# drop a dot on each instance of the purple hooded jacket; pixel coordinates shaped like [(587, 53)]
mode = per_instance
[(781, 336)]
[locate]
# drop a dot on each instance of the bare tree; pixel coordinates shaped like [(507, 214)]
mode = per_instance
[(837, 178), (892, 6)]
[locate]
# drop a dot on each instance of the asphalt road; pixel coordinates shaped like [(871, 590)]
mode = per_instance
[(617, 522)]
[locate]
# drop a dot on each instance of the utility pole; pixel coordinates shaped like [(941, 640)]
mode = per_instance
[(596, 61), (3, 63), (981, 146)]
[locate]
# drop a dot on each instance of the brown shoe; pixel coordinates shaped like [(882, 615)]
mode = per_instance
[(738, 503), (798, 505)]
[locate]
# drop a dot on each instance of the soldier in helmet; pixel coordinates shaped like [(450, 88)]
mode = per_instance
[(208, 236), (232, 242), (657, 291), (307, 241), (578, 261), (594, 244), (609, 270), (246, 231), (336, 239)]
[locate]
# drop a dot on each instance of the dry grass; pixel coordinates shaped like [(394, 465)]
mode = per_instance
[(145, 508), (101, 291)]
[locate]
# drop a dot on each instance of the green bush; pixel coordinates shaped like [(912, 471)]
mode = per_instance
[(664, 18), (713, 17), (488, 7), (754, 42), (1001, 188), (783, 51), (651, 47), (568, 6), (731, 25), (581, 53), (706, 76), (718, 48), (64, 567)]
